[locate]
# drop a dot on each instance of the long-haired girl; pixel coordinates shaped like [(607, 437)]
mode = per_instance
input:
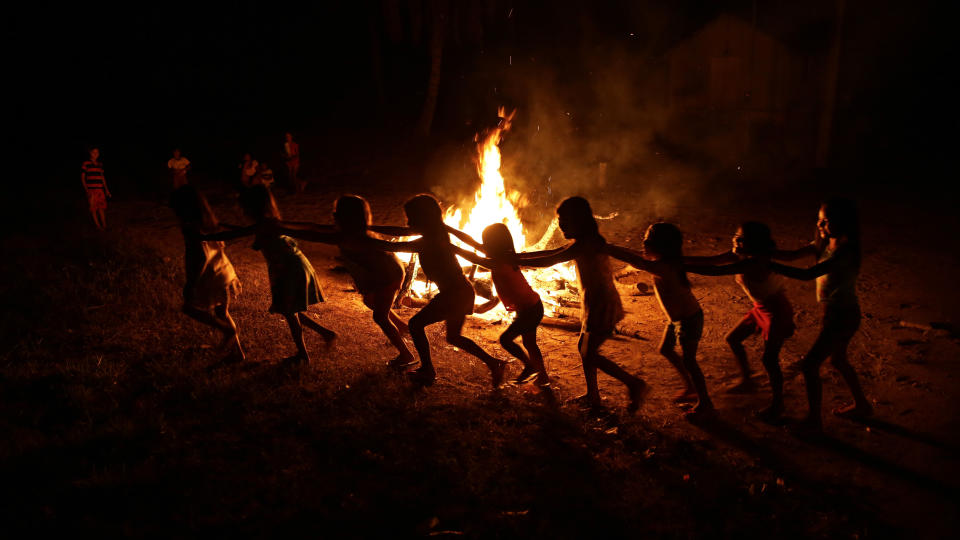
[(837, 249), (293, 283)]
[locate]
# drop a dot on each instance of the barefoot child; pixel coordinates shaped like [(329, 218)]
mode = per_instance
[(211, 279), (772, 314), (293, 283), (599, 300), (663, 258), (837, 250), (516, 295), (453, 302), (377, 274)]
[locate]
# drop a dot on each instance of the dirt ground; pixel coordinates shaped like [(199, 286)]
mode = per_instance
[(86, 429)]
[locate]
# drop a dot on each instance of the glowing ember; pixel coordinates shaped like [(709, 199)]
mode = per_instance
[(492, 204)]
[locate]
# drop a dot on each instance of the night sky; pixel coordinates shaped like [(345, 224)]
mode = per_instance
[(215, 78)]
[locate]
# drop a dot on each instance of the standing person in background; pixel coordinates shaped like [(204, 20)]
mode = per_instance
[(95, 185), (178, 166), (291, 154), (248, 169)]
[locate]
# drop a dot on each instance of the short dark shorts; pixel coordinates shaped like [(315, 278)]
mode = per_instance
[(526, 321), (686, 331)]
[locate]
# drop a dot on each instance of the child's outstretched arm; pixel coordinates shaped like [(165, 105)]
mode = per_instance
[(728, 257), (542, 253), (312, 232), (473, 257), (794, 254), (738, 267), (392, 230), (413, 246), (631, 257), (465, 238), (549, 257), (805, 274), (249, 230)]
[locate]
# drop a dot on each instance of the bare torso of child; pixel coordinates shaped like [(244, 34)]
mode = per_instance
[(599, 299), (759, 283), (675, 297), (370, 268), (441, 266)]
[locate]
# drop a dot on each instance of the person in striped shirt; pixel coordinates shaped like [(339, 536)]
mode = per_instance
[(95, 185)]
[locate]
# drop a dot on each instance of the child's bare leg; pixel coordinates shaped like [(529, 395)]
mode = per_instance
[(327, 334), (398, 322), (383, 320), (507, 342), (771, 363), (666, 349), (810, 366), (593, 360), (535, 356), (209, 319), (431, 313), (735, 340), (457, 339), (688, 346), (95, 214), (296, 330), (231, 337), (861, 406), (587, 350)]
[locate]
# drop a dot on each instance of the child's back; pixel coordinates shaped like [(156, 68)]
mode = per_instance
[(370, 268), (599, 299), (673, 292)]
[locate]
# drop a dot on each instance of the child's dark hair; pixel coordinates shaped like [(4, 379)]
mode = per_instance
[(843, 217), (666, 241), (757, 239), (192, 208), (258, 203), (423, 212), (578, 211), (352, 213), (498, 242)]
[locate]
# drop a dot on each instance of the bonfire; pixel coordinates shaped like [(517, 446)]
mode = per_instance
[(493, 203)]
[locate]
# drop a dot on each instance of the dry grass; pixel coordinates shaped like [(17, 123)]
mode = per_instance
[(118, 421)]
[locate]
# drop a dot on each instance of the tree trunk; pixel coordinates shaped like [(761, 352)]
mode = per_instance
[(830, 90), (437, 32)]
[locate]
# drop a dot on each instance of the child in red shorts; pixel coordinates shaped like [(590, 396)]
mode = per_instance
[(772, 314), (516, 295)]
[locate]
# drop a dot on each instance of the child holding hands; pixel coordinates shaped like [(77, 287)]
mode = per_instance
[(662, 257), (601, 308), (455, 298), (293, 283), (515, 293), (772, 314), (377, 274), (837, 249), (211, 279)]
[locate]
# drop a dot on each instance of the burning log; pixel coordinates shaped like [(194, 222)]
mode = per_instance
[(408, 275)]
